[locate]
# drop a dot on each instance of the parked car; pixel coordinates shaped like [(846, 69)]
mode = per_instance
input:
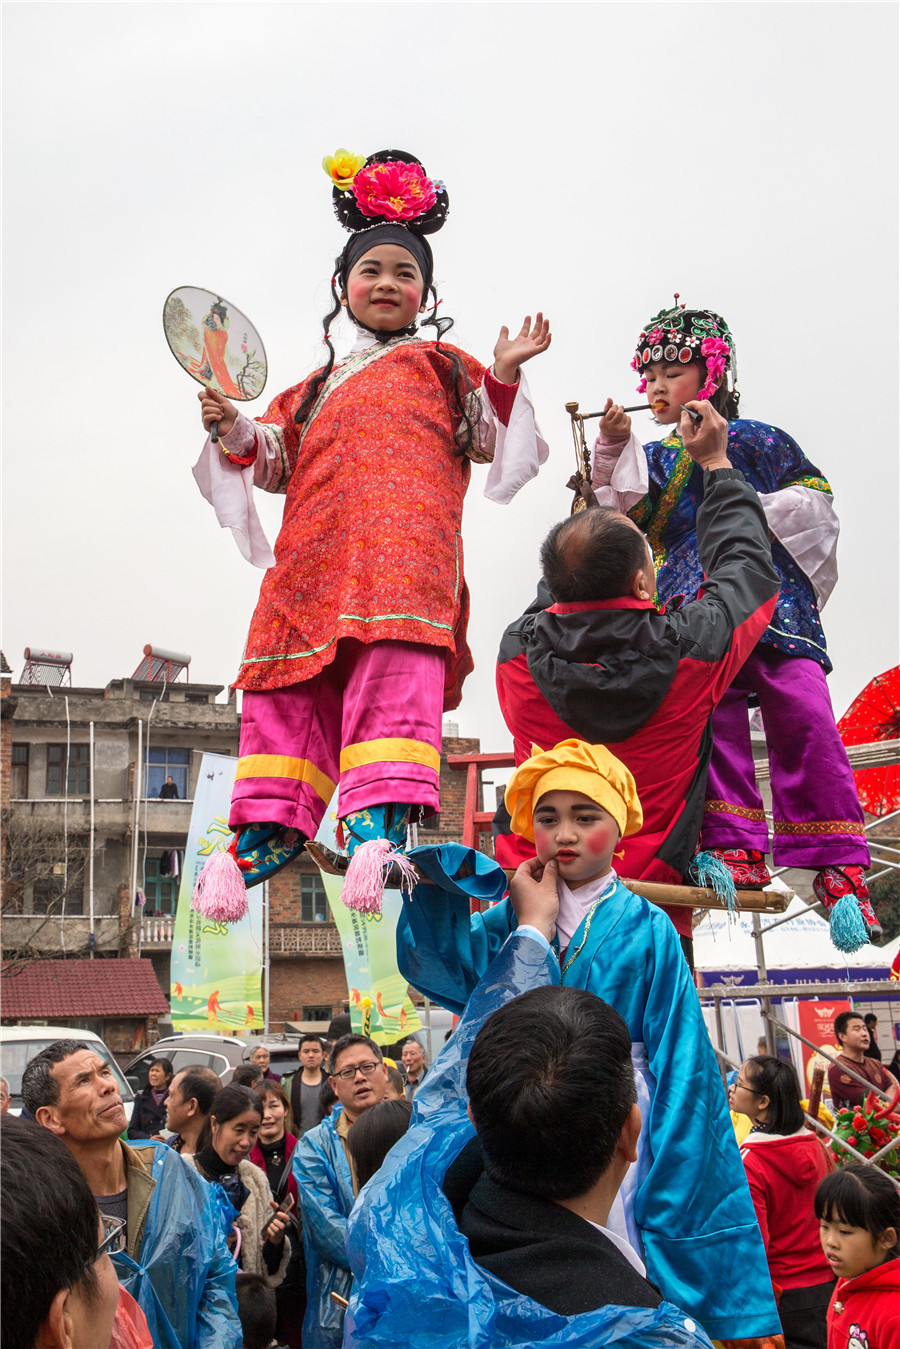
[(19, 1044), (222, 1053)]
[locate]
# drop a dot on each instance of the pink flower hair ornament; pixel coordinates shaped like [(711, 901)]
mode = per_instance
[(393, 191), (390, 187)]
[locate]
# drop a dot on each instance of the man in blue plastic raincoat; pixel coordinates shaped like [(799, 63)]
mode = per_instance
[(326, 1182), (174, 1260), (685, 1206)]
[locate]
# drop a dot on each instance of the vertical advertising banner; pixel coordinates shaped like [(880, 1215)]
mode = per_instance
[(216, 979), (380, 1006), (815, 1020)]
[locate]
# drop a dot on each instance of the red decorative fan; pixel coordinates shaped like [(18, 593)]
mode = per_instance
[(875, 715)]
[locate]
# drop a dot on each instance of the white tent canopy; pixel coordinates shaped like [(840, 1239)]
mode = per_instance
[(803, 943)]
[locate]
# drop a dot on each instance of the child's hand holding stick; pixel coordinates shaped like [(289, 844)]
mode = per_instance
[(511, 352), (706, 439), (615, 424)]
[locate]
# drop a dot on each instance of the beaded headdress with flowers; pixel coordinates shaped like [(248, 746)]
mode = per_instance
[(389, 192), (679, 336)]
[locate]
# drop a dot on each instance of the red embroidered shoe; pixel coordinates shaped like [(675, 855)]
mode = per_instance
[(832, 883), (747, 866)]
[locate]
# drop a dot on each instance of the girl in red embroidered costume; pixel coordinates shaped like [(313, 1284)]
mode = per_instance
[(358, 642)]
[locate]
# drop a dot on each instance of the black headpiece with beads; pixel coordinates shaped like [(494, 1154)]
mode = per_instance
[(387, 198), (679, 335)]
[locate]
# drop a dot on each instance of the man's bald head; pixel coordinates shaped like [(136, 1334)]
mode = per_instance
[(595, 555)]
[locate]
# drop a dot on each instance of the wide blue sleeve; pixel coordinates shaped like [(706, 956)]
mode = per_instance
[(701, 1240), (320, 1167), (184, 1279), (218, 1324), (442, 948), (406, 1251)]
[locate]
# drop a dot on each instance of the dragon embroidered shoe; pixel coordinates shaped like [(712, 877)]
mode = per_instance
[(747, 866), (833, 883)]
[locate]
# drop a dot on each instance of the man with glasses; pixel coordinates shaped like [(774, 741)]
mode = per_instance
[(326, 1180), (170, 1250)]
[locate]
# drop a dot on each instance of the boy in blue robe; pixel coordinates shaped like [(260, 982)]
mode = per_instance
[(685, 1206), (423, 1279)]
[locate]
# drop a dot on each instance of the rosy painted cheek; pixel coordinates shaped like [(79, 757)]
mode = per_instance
[(598, 842), (542, 844)]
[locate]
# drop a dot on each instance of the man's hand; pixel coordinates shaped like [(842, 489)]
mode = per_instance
[(615, 424), (215, 407), (534, 897), (706, 441), (511, 352)]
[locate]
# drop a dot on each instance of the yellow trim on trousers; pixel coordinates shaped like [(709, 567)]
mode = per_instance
[(390, 751), (285, 766)]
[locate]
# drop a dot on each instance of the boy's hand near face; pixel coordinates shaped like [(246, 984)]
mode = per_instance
[(534, 897)]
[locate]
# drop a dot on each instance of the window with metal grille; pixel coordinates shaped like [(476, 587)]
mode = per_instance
[(71, 780), (165, 762), (18, 782), (322, 1012), (47, 897), (313, 900)]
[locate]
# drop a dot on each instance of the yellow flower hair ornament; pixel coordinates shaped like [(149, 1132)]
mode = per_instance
[(342, 167)]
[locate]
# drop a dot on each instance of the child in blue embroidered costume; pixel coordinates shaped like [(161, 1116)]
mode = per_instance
[(685, 1203), (687, 354)]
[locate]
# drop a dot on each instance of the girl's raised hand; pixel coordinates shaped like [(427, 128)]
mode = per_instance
[(215, 407), (511, 352), (615, 424)]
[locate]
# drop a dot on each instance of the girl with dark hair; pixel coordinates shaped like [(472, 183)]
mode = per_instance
[(223, 1158), (382, 1127), (273, 1154), (358, 642), (687, 356), (785, 1162), (149, 1115), (858, 1209)]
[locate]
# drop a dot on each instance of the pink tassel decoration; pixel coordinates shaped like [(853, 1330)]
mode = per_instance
[(220, 893), (363, 888)]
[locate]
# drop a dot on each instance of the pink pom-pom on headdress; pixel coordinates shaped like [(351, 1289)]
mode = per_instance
[(642, 387), (363, 888)]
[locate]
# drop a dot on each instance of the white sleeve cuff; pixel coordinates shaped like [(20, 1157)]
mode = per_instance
[(520, 448), (804, 521)]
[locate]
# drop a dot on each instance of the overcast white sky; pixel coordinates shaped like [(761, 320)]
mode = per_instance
[(598, 157)]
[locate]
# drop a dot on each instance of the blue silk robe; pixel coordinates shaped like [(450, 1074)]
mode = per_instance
[(415, 1283), (687, 1205)]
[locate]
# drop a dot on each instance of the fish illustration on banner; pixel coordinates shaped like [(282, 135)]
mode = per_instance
[(380, 1005), (216, 978)]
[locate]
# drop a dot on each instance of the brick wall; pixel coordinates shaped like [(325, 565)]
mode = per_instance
[(295, 983), (453, 793)]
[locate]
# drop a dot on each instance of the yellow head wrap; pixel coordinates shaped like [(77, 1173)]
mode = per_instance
[(574, 766)]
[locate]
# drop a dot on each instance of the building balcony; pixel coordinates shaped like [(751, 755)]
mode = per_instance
[(304, 939), (156, 932), (45, 933), (159, 818)]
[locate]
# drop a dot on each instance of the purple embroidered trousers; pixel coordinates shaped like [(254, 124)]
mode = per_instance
[(817, 818)]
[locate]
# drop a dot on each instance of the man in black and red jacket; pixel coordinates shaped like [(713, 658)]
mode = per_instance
[(594, 658)]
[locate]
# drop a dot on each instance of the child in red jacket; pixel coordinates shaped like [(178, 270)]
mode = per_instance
[(858, 1209)]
